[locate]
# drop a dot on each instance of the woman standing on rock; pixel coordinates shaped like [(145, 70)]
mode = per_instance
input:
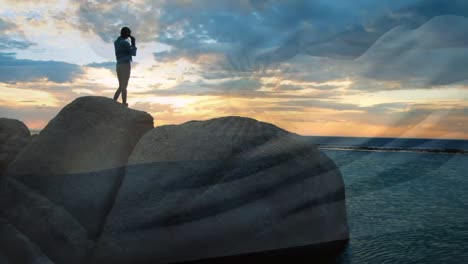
[(123, 54)]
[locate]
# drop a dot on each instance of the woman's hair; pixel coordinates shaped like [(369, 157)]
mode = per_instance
[(125, 31)]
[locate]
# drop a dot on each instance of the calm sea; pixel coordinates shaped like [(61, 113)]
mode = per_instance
[(392, 143), (404, 207)]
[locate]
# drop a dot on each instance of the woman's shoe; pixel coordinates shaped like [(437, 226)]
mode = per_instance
[(125, 104)]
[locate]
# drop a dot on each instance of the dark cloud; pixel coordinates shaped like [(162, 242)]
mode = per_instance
[(352, 36), (264, 32), (5, 25), (165, 56), (290, 87), (249, 36), (435, 53), (274, 31), (241, 84), (13, 69), (7, 41), (238, 88), (424, 10), (216, 74), (106, 18), (110, 65)]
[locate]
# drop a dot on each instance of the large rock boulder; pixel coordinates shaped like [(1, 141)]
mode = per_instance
[(90, 134), (221, 187), (14, 135), (17, 248), (74, 168), (42, 230)]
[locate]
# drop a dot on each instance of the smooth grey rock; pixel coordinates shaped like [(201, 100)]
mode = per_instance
[(77, 162), (90, 134), (17, 248), (221, 187), (14, 135), (42, 230)]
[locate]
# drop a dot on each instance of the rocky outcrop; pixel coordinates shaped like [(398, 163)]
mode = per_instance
[(90, 134), (221, 187), (14, 135), (100, 185), (17, 248), (42, 229), (59, 189)]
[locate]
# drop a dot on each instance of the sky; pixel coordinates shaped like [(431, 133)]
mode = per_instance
[(387, 68)]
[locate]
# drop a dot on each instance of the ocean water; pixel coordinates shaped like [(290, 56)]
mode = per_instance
[(405, 207), (394, 143)]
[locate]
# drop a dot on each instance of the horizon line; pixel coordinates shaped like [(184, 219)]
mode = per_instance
[(339, 136)]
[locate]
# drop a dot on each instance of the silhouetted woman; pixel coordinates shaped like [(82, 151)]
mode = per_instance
[(123, 54)]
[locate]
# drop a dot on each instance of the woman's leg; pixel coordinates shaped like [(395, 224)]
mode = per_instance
[(126, 76), (117, 93), (123, 74), (119, 77)]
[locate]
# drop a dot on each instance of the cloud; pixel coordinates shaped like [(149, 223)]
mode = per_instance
[(319, 61), (165, 56), (5, 25), (17, 70), (247, 36), (237, 87), (274, 31), (9, 43), (155, 108), (353, 33), (290, 87), (248, 33), (9, 38), (35, 117), (106, 18), (268, 31), (240, 84), (433, 54), (110, 65), (413, 118), (325, 104)]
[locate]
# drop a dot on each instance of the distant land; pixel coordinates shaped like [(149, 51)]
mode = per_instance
[(446, 151), (427, 145)]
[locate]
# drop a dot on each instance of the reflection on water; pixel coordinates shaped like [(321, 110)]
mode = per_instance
[(405, 207), (440, 244)]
